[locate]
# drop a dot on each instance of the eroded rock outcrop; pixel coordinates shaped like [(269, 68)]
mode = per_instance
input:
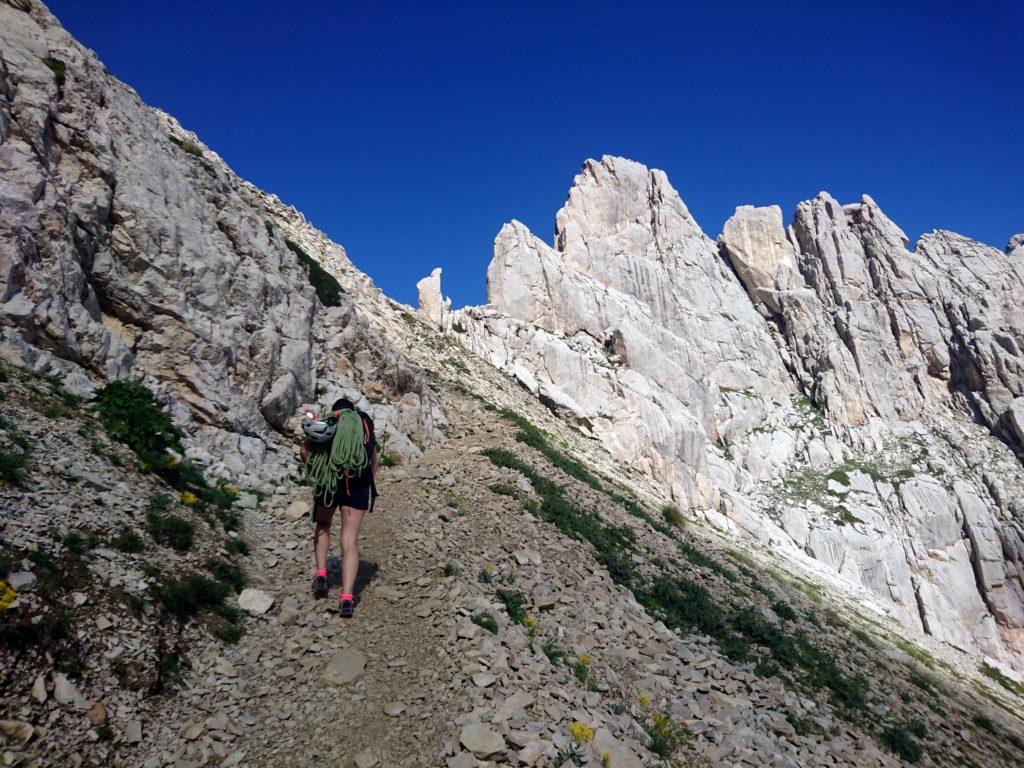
[(129, 249), (817, 386)]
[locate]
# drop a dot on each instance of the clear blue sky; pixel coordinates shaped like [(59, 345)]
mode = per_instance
[(410, 132)]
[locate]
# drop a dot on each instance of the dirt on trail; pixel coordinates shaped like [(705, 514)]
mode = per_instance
[(397, 709)]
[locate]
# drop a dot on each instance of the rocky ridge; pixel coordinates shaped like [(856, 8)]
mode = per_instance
[(817, 387), (201, 297)]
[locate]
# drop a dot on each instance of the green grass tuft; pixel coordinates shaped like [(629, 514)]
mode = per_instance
[(486, 621)]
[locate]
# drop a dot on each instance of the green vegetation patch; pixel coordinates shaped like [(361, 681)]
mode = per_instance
[(327, 287), (170, 530), (899, 739), (513, 602), (682, 603), (59, 69), (486, 621), (129, 414), (994, 674), (611, 542), (188, 596), (187, 145)]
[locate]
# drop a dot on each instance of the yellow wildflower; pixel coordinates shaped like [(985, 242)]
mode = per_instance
[(580, 732), (7, 596), (187, 498), (530, 622), (644, 699), (584, 660), (606, 760)]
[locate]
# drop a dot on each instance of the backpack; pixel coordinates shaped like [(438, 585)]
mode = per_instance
[(346, 457)]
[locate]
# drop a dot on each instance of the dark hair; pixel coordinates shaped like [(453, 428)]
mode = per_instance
[(343, 404)]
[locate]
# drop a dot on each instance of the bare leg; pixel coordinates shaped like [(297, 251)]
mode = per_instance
[(322, 535), (351, 520)]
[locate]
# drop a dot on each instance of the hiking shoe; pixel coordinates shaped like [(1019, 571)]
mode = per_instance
[(320, 587), (345, 609)]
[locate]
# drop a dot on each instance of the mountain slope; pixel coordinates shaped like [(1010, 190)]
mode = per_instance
[(847, 408), (523, 597)]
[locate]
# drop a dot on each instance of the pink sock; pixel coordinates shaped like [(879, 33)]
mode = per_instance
[(345, 597), (322, 572)]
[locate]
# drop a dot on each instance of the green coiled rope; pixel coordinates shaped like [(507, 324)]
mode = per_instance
[(347, 455)]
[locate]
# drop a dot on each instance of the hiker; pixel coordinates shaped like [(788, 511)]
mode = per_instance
[(340, 456)]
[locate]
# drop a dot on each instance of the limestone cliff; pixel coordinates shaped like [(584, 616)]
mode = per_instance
[(818, 387), (128, 248)]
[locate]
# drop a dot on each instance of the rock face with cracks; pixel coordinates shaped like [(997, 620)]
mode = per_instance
[(129, 249), (818, 387)]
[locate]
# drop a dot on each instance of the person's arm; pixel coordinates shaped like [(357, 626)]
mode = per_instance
[(303, 452), (373, 461)]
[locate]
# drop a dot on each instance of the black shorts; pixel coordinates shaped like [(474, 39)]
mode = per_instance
[(355, 493)]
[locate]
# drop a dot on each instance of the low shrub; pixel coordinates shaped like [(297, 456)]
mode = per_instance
[(513, 602), (671, 515), (187, 597), (12, 467), (665, 736), (237, 547), (486, 621), (550, 649), (784, 610), (170, 530), (227, 573), (898, 739), (129, 413), (187, 145)]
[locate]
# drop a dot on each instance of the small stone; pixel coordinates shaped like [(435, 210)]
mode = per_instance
[(97, 714), (191, 731), (65, 692), (298, 509), (15, 731), (19, 581), (483, 679), (255, 602), (102, 622), (621, 755), (394, 709), (247, 501), (480, 740), (463, 760), (366, 759), (545, 602), (39, 690), (345, 667), (289, 612), (133, 733)]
